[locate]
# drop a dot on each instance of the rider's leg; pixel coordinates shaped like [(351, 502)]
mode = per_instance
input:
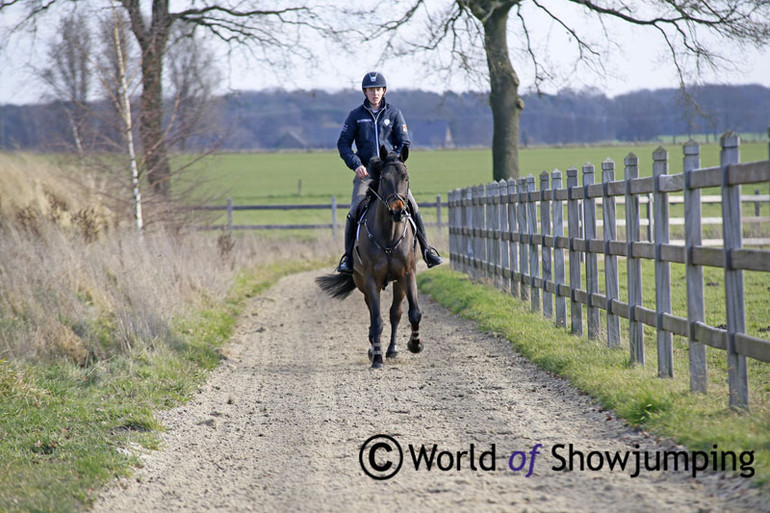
[(429, 253), (359, 193)]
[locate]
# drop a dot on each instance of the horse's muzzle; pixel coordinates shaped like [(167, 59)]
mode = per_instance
[(398, 215), (397, 209)]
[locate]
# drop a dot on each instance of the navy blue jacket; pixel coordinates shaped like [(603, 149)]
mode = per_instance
[(369, 131)]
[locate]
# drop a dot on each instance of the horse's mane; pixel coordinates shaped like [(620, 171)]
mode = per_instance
[(376, 165)]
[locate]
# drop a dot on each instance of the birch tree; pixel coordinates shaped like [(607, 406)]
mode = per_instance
[(271, 35)]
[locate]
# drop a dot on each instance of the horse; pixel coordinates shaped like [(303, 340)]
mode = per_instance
[(385, 252)]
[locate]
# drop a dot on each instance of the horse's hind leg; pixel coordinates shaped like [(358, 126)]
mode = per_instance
[(395, 317), (414, 345)]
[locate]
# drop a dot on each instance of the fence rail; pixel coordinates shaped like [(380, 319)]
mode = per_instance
[(230, 208), (495, 233)]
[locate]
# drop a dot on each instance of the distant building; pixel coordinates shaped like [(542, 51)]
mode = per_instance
[(290, 140)]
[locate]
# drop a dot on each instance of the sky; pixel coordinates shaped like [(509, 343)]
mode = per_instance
[(635, 59)]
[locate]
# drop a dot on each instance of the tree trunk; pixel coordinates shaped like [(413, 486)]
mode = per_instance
[(152, 41), (504, 96), (151, 112)]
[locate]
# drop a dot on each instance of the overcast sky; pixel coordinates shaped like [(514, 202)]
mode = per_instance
[(636, 60)]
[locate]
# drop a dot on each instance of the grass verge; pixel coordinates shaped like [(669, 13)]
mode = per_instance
[(661, 406), (66, 430)]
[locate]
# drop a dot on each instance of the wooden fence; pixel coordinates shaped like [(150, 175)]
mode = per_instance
[(495, 233), (334, 224)]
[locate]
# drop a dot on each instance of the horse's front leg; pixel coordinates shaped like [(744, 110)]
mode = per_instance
[(415, 315), (395, 317), (375, 327)]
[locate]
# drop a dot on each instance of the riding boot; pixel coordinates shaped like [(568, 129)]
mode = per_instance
[(429, 253), (346, 262)]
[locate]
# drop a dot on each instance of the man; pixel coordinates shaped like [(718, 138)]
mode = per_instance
[(371, 125)]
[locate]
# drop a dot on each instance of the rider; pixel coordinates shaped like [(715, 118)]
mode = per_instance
[(371, 125)]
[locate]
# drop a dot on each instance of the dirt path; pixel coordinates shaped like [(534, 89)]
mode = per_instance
[(280, 425)]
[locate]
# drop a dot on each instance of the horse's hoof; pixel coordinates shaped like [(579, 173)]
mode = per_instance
[(370, 354), (415, 346), (391, 354), (377, 361)]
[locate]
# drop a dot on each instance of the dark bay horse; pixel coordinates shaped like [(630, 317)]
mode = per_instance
[(384, 253)]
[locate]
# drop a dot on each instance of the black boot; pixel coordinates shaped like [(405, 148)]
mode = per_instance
[(346, 262), (429, 253)]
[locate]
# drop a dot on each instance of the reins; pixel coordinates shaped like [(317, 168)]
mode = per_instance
[(388, 250), (402, 214)]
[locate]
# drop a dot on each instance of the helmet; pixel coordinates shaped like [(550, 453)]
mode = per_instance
[(373, 79)]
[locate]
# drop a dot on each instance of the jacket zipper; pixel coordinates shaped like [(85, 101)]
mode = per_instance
[(376, 130)]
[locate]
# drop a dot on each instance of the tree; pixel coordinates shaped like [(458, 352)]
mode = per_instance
[(69, 74), (192, 76), (122, 101), (271, 34), (692, 32)]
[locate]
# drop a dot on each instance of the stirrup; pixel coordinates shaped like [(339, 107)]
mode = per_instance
[(432, 257), (345, 266)]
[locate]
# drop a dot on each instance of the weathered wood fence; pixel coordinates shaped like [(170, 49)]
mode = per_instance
[(495, 233), (334, 225)]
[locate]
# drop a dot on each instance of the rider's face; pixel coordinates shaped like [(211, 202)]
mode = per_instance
[(374, 95)]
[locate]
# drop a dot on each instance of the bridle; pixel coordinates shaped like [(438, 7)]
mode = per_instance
[(397, 216)]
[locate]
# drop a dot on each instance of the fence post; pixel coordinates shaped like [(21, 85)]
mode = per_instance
[(558, 253), (334, 218), (649, 218), (523, 240), (487, 206), (438, 211), (545, 229), (534, 262), (573, 226), (478, 225), (493, 232), (451, 213), (662, 269), (504, 235), (737, 371), (633, 264), (230, 216), (513, 228), (610, 261), (592, 266), (470, 253), (469, 220), (694, 273)]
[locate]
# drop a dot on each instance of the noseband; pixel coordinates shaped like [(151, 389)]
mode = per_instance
[(395, 215)]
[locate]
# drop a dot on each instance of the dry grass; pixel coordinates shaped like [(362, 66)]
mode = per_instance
[(75, 284)]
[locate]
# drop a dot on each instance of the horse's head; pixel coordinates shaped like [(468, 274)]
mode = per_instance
[(393, 182)]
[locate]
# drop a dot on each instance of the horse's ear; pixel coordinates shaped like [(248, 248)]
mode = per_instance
[(404, 154), (383, 153)]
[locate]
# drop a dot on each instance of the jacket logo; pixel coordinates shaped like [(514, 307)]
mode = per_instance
[(386, 122)]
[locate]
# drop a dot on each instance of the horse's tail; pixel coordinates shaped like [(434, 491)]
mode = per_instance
[(338, 286)]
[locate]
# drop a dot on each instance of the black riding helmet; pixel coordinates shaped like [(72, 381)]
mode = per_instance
[(374, 79)]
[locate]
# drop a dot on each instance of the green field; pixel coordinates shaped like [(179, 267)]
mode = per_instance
[(314, 177)]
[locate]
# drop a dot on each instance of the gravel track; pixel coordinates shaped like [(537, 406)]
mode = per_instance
[(279, 426)]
